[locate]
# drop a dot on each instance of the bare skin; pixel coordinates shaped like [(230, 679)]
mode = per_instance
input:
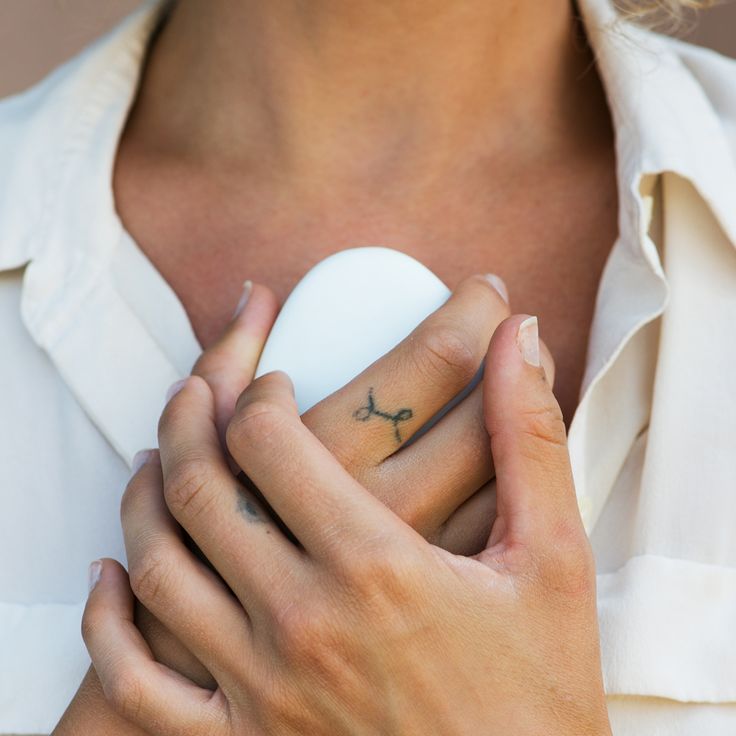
[(474, 136)]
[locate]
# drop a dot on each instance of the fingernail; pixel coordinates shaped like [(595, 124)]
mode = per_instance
[(498, 284), (174, 389), (527, 339), (247, 287), (139, 460), (95, 570)]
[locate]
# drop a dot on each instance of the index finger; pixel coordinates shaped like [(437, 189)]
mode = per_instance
[(229, 364)]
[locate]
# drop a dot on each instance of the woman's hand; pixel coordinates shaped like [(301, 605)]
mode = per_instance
[(429, 368), (440, 483), (364, 627)]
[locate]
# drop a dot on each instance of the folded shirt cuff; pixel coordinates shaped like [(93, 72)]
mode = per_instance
[(668, 629)]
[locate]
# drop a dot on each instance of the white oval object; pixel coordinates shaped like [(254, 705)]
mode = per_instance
[(348, 311)]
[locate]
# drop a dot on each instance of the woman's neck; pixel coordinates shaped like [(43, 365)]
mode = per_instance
[(374, 93)]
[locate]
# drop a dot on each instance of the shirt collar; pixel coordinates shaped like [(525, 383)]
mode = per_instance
[(62, 219), (663, 122), (662, 117)]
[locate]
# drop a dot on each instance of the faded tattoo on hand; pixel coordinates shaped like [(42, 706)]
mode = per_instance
[(369, 410), (248, 509)]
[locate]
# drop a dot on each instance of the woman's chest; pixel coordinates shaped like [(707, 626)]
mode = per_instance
[(549, 246)]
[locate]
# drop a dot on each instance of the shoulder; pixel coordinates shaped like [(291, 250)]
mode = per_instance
[(715, 72), (715, 75)]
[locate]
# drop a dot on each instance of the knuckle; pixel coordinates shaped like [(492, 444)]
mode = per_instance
[(381, 576), (124, 692), (254, 423), (313, 640), (303, 629), (151, 574), (185, 489), (164, 423), (445, 352), (127, 501), (90, 624), (568, 567), (545, 423)]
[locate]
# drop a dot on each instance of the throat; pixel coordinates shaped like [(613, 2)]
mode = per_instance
[(362, 94)]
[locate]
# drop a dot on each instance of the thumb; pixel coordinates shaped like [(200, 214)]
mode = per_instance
[(228, 365), (534, 484)]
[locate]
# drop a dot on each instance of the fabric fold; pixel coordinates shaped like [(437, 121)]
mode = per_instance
[(667, 630)]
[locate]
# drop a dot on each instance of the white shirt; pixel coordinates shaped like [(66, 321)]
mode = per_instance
[(91, 336)]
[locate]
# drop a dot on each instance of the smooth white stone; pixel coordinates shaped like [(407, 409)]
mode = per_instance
[(348, 311)]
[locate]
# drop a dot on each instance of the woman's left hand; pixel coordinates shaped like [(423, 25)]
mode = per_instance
[(364, 627)]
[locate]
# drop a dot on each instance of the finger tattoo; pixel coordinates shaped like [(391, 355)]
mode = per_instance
[(364, 413)]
